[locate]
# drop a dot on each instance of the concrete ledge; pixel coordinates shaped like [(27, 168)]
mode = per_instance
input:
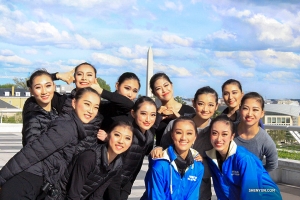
[(9, 128), (288, 172)]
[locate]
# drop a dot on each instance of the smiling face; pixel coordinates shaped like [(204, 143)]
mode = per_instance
[(232, 95), (163, 89), (145, 116), (184, 136), (251, 112), (119, 139), (205, 106), (86, 107), (43, 90), (84, 76), (221, 136), (128, 88)]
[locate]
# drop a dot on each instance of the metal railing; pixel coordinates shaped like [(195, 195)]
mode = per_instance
[(3, 111), (292, 129)]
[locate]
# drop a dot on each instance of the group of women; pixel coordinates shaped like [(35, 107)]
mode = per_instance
[(91, 144)]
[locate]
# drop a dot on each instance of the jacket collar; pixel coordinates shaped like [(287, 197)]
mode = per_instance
[(115, 163), (212, 153), (80, 128)]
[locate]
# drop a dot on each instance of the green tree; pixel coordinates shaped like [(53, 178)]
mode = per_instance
[(7, 85), (20, 83), (103, 84), (179, 99), (217, 113)]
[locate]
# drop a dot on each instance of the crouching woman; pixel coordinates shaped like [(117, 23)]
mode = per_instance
[(176, 175), (51, 152), (236, 172), (93, 169)]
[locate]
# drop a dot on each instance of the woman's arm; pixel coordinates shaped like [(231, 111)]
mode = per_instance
[(54, 139), (271, 153), (121, 102), (154, 183)]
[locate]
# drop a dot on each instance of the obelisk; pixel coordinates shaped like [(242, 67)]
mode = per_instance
[(149, 72)]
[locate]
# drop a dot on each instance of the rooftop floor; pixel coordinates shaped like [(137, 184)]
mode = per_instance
[(10, 143)]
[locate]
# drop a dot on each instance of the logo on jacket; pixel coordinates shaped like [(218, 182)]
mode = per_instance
[(192, 178), (235, 173)]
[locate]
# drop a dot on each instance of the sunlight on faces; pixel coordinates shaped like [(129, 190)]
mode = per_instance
[(129, 88), (84, 76), (232, 95), (205, 106), (87, 106), (221, 136), (145, 116), (42, 89), (251, 112), (183, 136), (163, 89), (119, 139)]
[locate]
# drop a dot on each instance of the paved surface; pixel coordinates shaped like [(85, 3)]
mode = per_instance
[(10, 143)]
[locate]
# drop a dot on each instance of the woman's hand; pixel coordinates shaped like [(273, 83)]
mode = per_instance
[(198, 158), (156, 152), (67, 77), (97, 87), (175, 113), (101, 135)]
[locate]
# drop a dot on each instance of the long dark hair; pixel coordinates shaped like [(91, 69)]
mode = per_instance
[(127, 76)]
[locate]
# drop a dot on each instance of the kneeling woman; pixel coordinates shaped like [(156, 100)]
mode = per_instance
[(176, 175), (53, 150), (236, 172), (94, 169)]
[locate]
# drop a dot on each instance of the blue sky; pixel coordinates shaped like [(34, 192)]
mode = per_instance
[(197, 42)]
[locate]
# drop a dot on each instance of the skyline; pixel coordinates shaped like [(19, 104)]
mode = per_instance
[(196, 43)]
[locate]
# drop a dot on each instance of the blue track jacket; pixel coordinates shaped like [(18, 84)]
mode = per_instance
[(243, 176), (163, 181)]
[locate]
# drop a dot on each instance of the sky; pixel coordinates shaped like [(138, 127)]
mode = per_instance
[(197, 43)]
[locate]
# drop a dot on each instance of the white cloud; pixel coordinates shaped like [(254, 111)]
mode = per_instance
[(217, 72), (248, 62), (169, 5), (88, 43), (6, 52), (247, 74), (15, 60), (270, 29), (280, 75), (137, 52), (172, 70), (31, 51), (140, 62), (222, 34), (279, 59), (226, 54), (19, 69), (175, 39), (106, 59), (235, 13)]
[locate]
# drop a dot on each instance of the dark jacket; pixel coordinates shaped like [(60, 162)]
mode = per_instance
[(54, 148), (91, 128), (36, 121), (99, 178), (132, 163), (114, 106)]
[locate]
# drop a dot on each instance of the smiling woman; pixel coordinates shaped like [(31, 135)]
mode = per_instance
[(176, 175), (236, 172), (93, 170), (50, 153)]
